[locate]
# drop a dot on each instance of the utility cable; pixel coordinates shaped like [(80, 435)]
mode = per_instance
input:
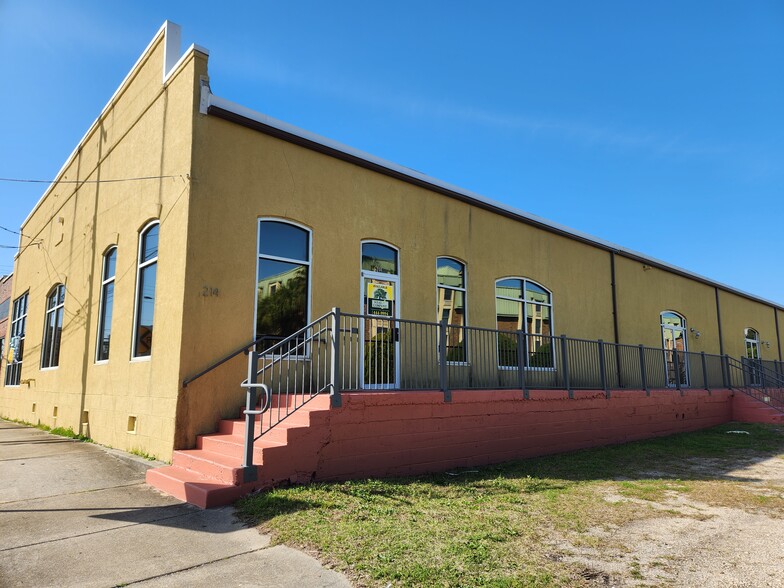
[(27, 181)]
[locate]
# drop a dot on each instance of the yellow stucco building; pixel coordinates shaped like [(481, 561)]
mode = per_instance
[(183, 223)]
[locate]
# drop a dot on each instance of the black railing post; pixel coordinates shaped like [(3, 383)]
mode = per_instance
[(249, 471), (521, 363), (335, 399), (705, 372), (603, 369), (442, 371), (677, 368), (565, 362), (726, 364), (643, 375)]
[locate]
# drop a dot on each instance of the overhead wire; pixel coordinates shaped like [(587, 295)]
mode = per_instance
[(31, 181)]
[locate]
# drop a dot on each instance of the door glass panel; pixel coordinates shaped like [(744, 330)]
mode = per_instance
[(380, 332)]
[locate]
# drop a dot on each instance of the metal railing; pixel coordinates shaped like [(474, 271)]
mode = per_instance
[(345, 351), (757, 380)]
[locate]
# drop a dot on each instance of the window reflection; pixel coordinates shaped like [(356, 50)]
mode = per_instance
[(536, 328), (451, 305), (377, 257), (283, 287)]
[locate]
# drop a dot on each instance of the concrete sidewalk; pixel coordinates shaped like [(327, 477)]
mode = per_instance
[(76, 514)]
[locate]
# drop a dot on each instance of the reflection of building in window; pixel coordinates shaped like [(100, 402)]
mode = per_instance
[(673, 328), (283, 280), (752, 344), (523, 305), (146, 278), (377, 257), (106, 304), (450, 275), (16, 339), (53, 327)]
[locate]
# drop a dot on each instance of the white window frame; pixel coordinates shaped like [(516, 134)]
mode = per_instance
[(464, 290), (139, 267), (104, 282), (58, 307), (524, 302), (308, 264), (10, 333), (684, 329)]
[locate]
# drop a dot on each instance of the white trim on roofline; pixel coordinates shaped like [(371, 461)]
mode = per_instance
[(233, 107)]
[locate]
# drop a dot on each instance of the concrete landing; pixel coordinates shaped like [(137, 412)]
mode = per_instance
[(76, 514)]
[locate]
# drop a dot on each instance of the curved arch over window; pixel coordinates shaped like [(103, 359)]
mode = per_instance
[(452, 302), (282, 280), (106, 304), (53, 327), (146, 278), (524, 305), (379, 257), (673, 328)]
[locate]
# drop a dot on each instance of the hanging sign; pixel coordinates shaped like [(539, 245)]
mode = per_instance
[(379, 299)]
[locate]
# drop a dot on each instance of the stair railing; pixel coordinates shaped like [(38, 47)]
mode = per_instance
[(288, 375), (771, 386)]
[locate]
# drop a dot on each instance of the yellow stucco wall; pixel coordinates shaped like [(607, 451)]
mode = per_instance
[(737, 314), (227, 177), (145, 132), (644, 292)]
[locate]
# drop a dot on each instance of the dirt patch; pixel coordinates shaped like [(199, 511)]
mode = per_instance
[(724, 531)]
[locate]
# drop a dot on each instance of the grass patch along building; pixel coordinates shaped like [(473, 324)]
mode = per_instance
[(184, 226)]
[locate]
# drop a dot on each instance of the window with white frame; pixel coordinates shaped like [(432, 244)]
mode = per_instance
[(752, 343), (524, 313), (282, 281), (16, 338), (53, 327), (675, 344), (146, 277), (451, 305), (106, 304)]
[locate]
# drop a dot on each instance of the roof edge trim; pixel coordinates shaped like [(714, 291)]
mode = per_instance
[(237, 113)]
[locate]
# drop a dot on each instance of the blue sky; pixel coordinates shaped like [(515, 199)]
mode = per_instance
[(658, 126)]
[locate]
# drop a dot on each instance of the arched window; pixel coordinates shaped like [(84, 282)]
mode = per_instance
[(673, 327), (53, 327), (282, 281), (106, 304), (16, 334), (377, 257), (752, 343), (451, 305), (523, 305), (146, 276)]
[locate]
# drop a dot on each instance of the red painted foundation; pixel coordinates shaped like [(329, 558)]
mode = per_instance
[(400, 433), (749, 410)]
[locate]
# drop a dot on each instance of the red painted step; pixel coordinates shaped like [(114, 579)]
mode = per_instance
[(212, 474)]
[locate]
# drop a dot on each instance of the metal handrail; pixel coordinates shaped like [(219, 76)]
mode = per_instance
[(232, 355)]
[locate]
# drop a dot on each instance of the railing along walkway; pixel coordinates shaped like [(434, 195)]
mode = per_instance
[(344, 351)]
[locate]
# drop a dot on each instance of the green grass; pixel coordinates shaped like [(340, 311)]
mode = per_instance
[(61, 431), (143, 454), (501, 525)]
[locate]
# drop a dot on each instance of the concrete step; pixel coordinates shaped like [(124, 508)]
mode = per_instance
[(226, 469), (194, 488), (234, 445)]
